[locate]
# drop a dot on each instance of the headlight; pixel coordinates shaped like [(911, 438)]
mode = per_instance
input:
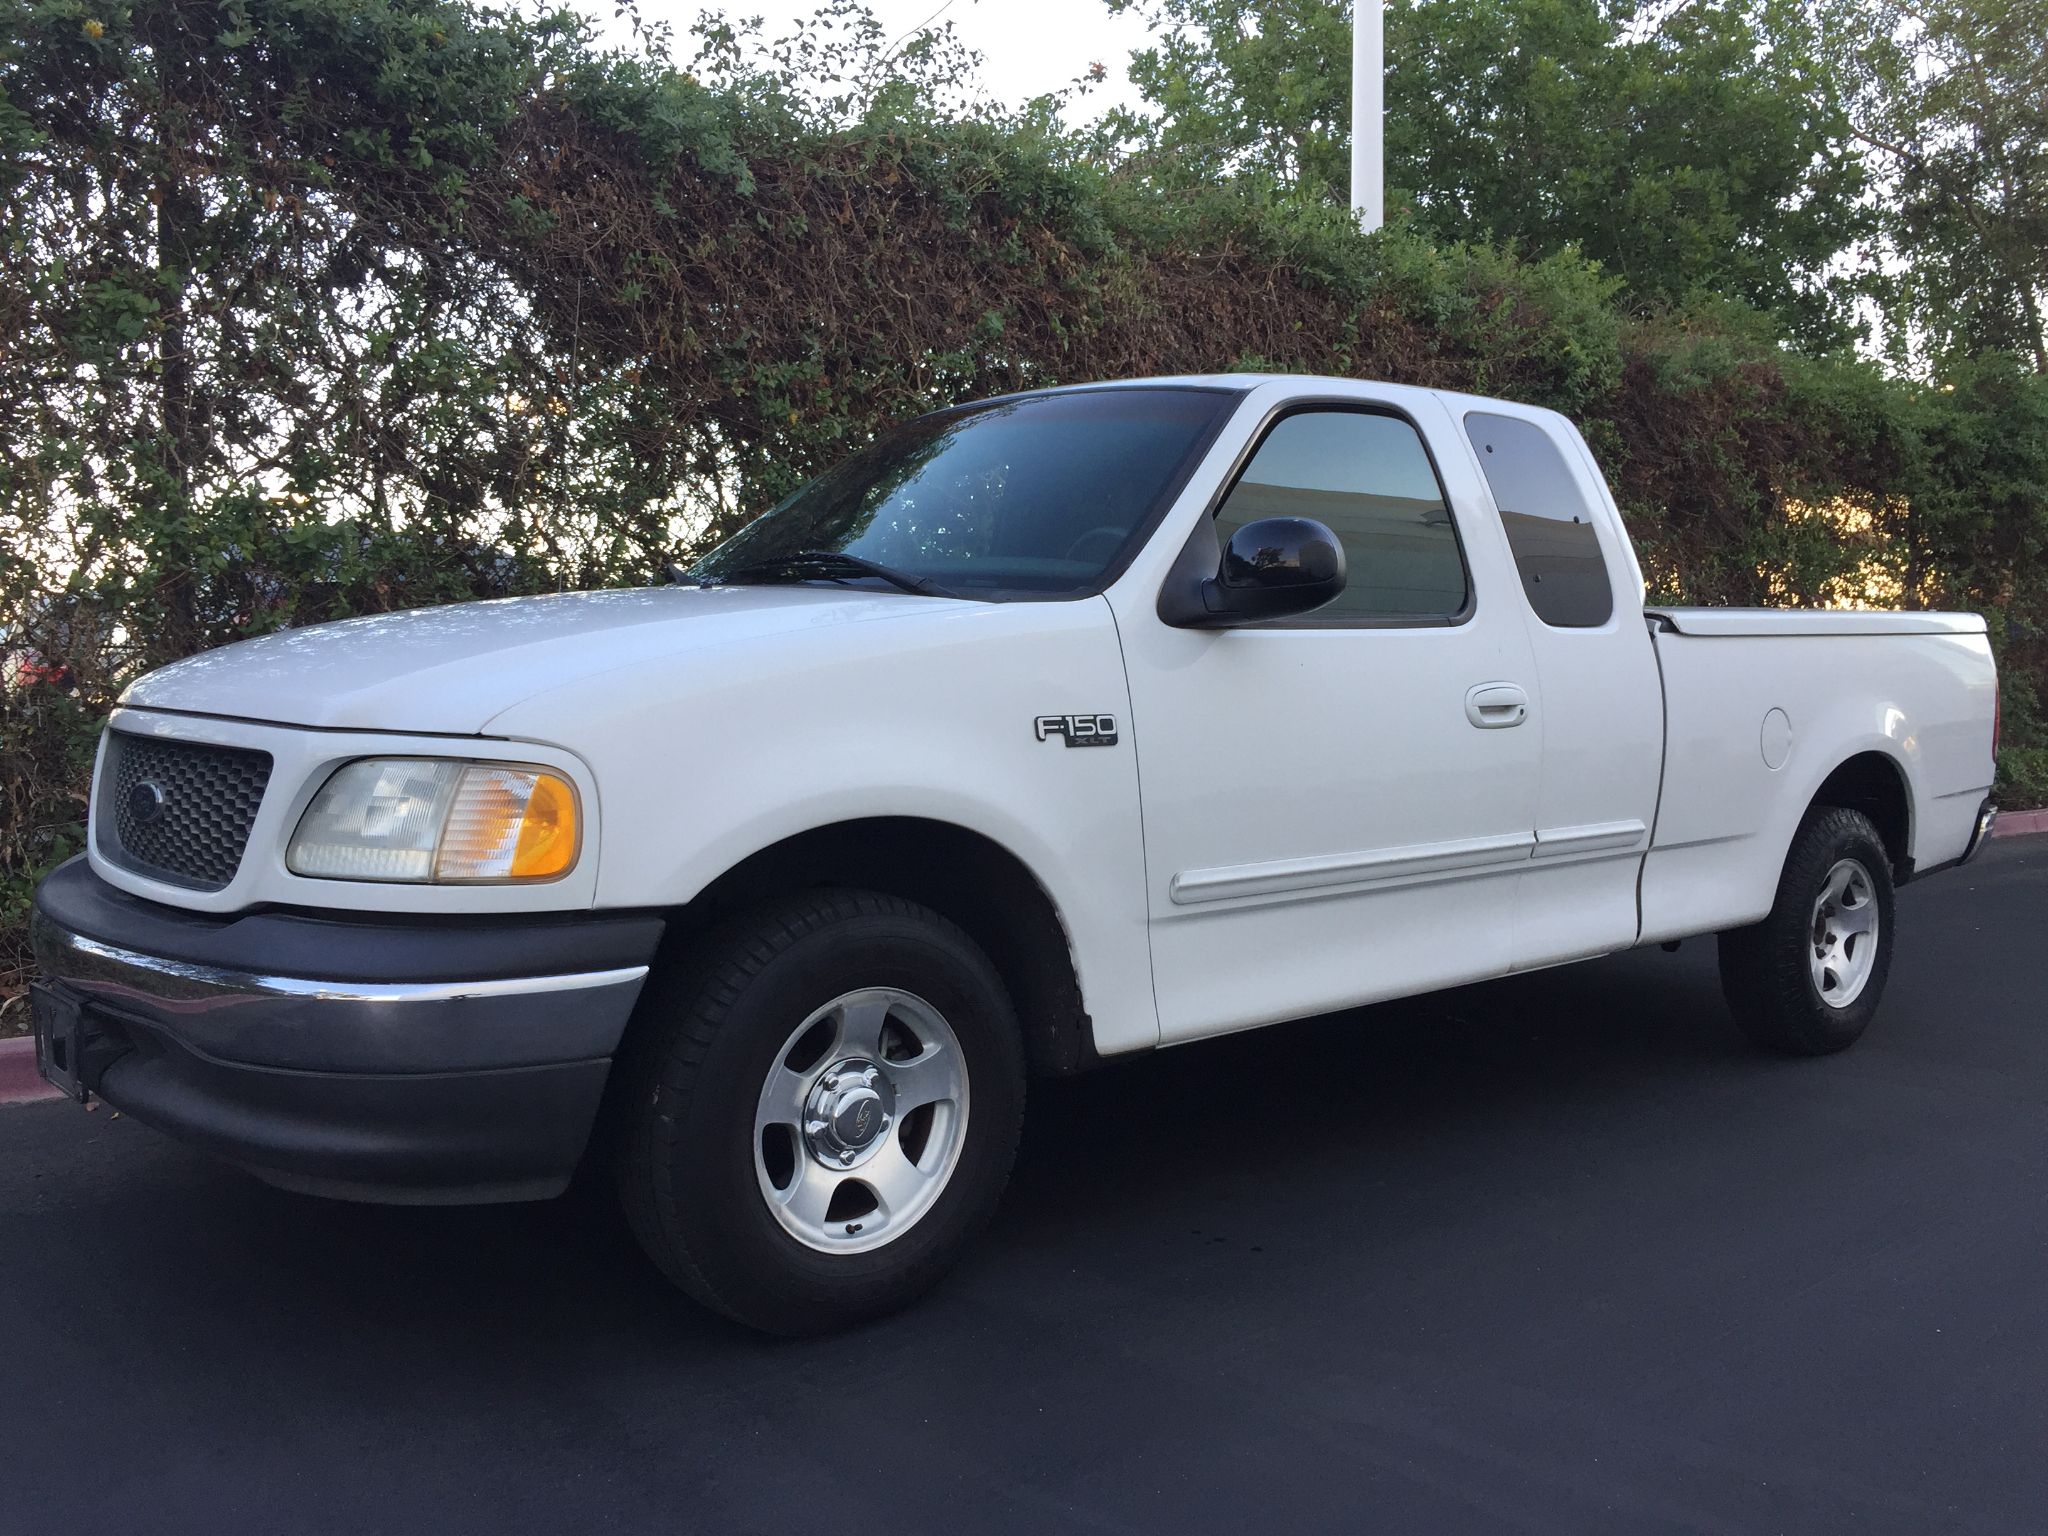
[(436, 820)]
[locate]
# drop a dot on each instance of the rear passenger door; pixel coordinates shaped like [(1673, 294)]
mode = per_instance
[(1603, 705)]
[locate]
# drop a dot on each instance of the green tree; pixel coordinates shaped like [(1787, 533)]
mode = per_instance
[(1950, 100), (1684, 146)]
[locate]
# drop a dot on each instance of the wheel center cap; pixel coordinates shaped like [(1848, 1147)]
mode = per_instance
[(850, 1109)]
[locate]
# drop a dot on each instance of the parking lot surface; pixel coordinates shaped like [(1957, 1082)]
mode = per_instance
[(1558, 1254)]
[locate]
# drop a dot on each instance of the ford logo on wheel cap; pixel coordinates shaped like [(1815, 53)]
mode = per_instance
[(145, 802)]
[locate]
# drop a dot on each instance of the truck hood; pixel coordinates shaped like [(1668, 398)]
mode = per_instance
[(452, 669)]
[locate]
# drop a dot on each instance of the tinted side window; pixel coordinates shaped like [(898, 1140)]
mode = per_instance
[(1550, 527), (1369, 480)]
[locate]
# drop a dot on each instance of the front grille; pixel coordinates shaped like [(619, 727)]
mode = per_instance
[(178, 811)]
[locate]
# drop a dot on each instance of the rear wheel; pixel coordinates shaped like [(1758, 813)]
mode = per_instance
[(822, 1111), (1808, 978)]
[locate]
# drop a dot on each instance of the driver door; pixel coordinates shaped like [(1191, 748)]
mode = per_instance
[(1336, 807)]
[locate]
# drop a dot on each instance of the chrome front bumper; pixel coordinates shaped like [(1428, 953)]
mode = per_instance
[(375, 1076), (346, 1026)]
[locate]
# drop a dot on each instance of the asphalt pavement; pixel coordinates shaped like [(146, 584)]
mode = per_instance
[(1559, 1254)]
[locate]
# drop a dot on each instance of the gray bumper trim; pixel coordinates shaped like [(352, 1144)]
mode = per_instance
[(315, 1025)]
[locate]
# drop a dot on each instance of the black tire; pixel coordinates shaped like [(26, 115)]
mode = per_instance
[(703, 1045), (1766, 970)]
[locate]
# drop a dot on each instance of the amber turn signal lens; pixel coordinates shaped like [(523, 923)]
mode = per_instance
[(508, 824), (547, 831)]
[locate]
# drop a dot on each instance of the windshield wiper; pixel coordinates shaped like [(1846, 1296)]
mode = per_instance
[(804, 564)]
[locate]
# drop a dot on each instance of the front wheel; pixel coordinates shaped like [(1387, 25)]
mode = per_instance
[(821, 1111), (1807, 979)]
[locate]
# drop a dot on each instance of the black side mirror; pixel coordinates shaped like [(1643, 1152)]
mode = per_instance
[(1271, 568)]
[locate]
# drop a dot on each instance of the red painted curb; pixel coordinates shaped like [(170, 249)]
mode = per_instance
[(19, 1081), (2019, 823)]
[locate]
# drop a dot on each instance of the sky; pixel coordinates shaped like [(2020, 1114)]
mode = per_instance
[(1028, 47)]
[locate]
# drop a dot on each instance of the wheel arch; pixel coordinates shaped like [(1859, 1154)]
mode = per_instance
[(1875, 783), (964, 875)]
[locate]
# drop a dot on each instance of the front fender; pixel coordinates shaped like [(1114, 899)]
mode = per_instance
[(934, 720)]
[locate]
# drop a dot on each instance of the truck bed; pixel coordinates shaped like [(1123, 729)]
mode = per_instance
[(1762, 705)]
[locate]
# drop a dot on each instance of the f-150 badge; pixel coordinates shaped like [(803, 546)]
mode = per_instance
[(1078, 730)]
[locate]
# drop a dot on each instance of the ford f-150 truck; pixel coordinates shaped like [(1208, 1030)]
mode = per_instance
[(1042, 730)]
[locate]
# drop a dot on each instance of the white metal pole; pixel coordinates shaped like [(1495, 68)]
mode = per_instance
[(1368, 113)]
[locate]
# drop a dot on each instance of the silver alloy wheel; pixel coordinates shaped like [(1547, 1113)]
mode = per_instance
[(1844, 933), (861, 1120)]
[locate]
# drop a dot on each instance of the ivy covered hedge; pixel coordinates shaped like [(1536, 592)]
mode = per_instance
[(315, 307)]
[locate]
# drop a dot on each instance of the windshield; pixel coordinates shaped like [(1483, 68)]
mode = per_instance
[(1035, 497)]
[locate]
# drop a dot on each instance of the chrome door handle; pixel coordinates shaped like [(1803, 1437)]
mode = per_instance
[(1492, 706)]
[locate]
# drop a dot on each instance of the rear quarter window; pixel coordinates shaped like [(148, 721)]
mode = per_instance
[(1549, 525)]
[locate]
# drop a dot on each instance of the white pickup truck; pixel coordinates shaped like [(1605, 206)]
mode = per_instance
[(1044, 729)]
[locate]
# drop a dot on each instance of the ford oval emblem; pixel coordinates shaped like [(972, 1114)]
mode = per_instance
[(145, 802)]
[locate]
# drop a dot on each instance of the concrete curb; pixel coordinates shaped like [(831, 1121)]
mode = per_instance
[(2019, 823), (19, 1081)]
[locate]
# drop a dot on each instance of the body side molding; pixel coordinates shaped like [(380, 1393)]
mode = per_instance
[(1554, 842), (1285, 876)]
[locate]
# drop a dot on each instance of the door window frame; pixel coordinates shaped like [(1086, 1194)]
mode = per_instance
[(1204, 547)]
